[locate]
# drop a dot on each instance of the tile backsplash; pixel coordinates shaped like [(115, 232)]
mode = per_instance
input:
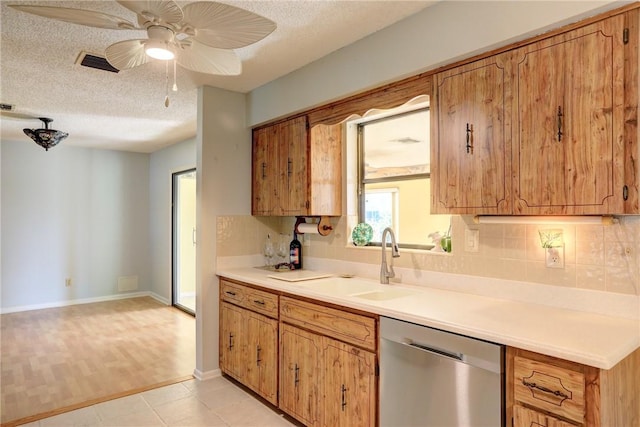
[(597, 257)]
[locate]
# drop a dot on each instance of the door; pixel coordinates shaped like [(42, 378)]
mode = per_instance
[(570, 125), (469, 142), (264, 170), (300, 385), (349, 385), (292, 158), (232, 340), (184, 240), (261, 360)]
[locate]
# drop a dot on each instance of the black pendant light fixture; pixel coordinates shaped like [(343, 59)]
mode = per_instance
[(46, 137)]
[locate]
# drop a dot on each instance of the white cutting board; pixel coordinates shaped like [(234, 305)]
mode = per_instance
[(299, 275)]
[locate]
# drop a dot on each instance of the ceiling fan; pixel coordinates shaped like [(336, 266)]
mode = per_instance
[(199, 37)]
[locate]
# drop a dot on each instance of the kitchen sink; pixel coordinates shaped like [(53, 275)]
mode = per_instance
[(383, 295)]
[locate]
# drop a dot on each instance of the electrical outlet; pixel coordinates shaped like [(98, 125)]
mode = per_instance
[(306, 240), (555, 257), (471, 240), (67, 282)]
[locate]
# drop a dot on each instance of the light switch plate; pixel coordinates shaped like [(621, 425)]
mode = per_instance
[(471, 240)]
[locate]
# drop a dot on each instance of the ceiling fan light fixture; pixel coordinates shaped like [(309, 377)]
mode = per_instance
[(46, 138), (158, 50)]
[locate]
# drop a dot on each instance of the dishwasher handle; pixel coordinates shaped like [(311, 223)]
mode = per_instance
[(434, 350)]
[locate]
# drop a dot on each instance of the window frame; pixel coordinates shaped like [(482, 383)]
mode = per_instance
[(362, 181)]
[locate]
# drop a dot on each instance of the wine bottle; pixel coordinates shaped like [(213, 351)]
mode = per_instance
[(295, 252)]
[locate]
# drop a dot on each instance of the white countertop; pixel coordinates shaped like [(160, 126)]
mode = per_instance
[(591, 339)]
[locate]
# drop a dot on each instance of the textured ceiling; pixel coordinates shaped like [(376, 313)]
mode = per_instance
[(125, 111)]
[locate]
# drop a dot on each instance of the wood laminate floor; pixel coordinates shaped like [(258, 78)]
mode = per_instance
[(57, 359)]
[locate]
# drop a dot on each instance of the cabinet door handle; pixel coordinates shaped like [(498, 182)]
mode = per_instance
[(344, 397), (258, 356), (259, 302), (230, 340), (469, 144), (296, 378), (289, 166), (264, 170), (560, 123)]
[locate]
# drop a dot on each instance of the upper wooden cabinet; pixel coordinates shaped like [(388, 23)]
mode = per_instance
[(546, 128), (569, 126), (297, 171), (469, 144)]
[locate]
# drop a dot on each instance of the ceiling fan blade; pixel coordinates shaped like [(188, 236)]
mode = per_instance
[(17, 116), (127, 54), (209, 60), (226, 27), (78, 16), (166, 11)]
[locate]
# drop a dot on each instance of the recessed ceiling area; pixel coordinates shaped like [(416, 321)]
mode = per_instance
[(126, 110)]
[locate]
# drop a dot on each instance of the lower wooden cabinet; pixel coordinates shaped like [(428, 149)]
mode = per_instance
[(300, 374), (324, 382), (316, 363), (350, 392), (547, 391), (249, 350), (523, 417)]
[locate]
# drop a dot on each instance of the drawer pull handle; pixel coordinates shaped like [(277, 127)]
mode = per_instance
[(256, 301), (532, 386), (233, 294)]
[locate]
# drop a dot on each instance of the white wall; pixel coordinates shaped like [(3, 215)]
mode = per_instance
[(438, 35), (71, 212), (223, 188), (163, 163)]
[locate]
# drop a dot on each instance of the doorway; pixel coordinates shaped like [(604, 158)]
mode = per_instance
[(183, 239)]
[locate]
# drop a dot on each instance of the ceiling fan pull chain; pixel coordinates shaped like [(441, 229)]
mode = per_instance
[(175, 84), (166, 72)]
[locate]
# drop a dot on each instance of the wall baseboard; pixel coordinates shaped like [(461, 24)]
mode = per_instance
[(153, 295), (208, 375)]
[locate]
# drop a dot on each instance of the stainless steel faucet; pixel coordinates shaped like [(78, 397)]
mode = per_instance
[(386, 273)]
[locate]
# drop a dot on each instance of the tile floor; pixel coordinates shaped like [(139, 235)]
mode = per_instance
[(216, 402)]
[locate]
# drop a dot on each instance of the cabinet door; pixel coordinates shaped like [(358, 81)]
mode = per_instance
[(300, 374), (264, 171), (293, 166), (523, 417), (232, 342), (350, 391), (469, 146), (325, 163), (568, 152), (261, 356)]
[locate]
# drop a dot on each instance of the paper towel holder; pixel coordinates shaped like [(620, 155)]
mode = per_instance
[(324, 226)]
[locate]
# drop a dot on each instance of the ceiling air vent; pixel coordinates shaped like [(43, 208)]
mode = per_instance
[(93, 61)]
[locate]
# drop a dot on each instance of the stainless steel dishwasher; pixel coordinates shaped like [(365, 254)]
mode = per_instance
[(432, 378)]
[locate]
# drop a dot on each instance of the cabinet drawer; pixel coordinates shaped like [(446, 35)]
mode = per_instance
[(551, 388), (232, 292), (523, 417), (262, 302), (344, 326)]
